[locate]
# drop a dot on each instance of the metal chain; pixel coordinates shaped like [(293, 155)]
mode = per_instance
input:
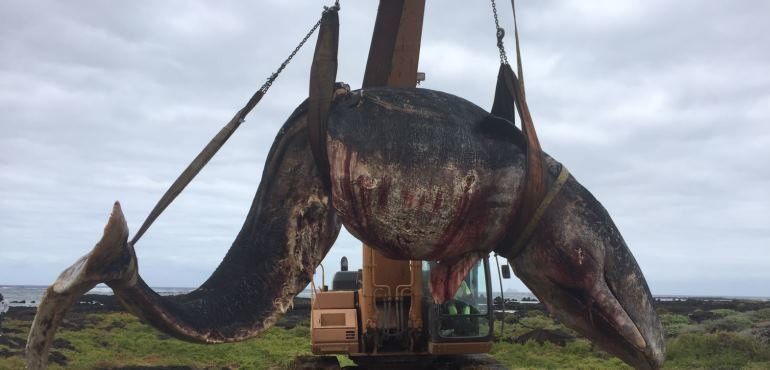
[(500, 33), (283, 65)]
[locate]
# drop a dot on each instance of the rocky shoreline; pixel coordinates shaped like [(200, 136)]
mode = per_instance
[(708, 313), (100, 303), (77, 319), (698, 309)]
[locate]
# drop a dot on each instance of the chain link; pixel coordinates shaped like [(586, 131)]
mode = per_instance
[(500, 33), (271, 79)]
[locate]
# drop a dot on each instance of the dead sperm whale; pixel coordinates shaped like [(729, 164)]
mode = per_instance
[(416, 174)]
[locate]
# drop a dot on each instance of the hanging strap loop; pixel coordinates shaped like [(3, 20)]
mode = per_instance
[(525, 236), (536, 196), (323, 73)]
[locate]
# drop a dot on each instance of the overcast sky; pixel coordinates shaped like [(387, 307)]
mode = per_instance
[(659, 108)]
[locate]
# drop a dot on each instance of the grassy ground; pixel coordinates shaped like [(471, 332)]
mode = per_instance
[(729, 339), (723, 339), (120, 340), (575, 354)]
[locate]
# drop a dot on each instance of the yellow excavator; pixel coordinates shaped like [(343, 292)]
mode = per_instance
[(385, 310)]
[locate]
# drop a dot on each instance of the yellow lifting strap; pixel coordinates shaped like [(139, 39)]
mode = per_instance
[(523, 239)]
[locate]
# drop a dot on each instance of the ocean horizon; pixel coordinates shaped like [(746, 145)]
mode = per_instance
[(30, 295)]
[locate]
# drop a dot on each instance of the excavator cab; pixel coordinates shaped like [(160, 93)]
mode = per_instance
[(385, 310), (466, 317)]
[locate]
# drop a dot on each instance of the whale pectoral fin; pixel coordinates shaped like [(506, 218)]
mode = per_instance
[(111, 260)]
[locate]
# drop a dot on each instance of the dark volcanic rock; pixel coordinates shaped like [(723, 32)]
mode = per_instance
[(690, 305), (700, 316), (56, 357), (171, 367), (89, 303), (10, 331), (5, 353), (21, 313), (115, 325), (315, 363), (12, 342), (543, 335), (97, 303), (60, 343), (296, 315), (74, 321)]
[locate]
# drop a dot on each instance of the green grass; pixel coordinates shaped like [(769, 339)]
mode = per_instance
[(575, 355), (725, 312), (120, 339), (729, 323), (761, 315), (717, 351), (733, 340), (579, 354)]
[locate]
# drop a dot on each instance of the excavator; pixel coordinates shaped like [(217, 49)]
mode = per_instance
[(385, 310)]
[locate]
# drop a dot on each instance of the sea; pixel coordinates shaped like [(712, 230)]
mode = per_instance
[(30, 295)]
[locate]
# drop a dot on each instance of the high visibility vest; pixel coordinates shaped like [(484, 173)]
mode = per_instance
[(464, 289), (451, 308)]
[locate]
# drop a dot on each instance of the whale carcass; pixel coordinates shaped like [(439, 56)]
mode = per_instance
[(415, 174)]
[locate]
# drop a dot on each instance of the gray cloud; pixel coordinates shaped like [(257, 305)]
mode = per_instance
[(661, 109)]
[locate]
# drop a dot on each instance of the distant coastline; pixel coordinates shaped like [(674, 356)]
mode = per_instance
[(715, 332), (30, 295)]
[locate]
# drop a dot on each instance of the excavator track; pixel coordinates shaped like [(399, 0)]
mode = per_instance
[(448, 362)]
